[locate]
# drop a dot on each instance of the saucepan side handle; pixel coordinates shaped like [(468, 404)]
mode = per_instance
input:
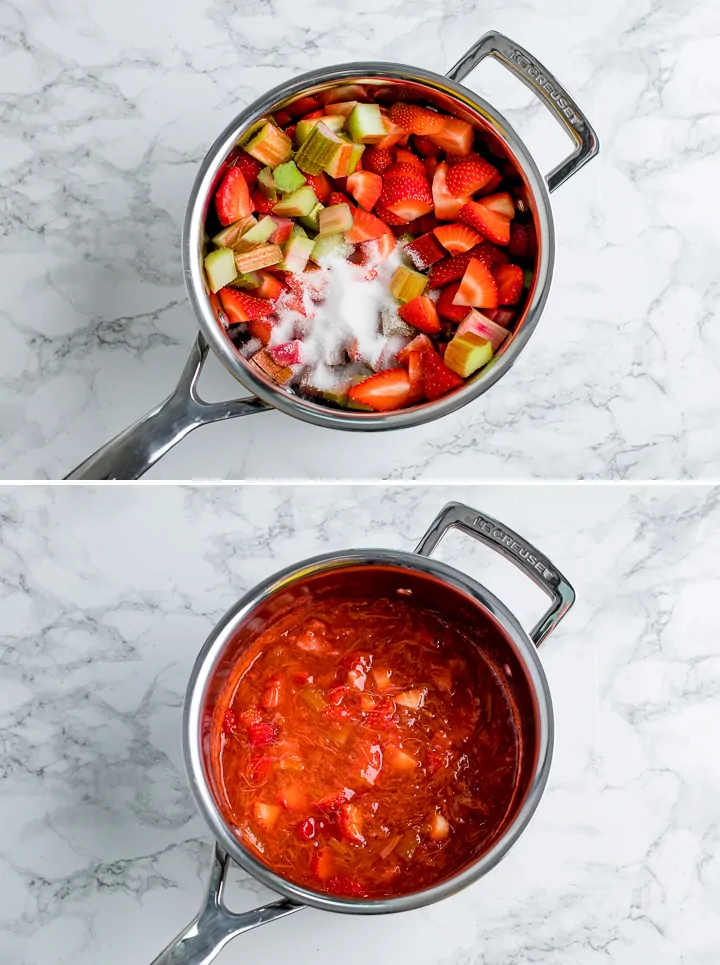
[(514, 548), (214, 925), (131, 453), (550, 91)]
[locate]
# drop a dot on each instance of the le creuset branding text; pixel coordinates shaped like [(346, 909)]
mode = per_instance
[(547, 85), (517, 548)]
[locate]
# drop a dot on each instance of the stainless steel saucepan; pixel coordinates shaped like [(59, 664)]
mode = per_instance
[(465, 603), (137, 448)]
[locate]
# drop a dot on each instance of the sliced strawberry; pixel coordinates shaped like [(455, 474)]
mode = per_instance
[(417, 386), (266, 815), (490, 254), (421, 226), (239, 306), (306, 830), (349, 820), (320, 183), (334, 800), (283, 230), (417, 120), (477, 288), (501, 316), (450, 269), (365, 227), (401, 169), (509, 280), (501, 203), (345, 886), (447, 309), (292, 798), (420, 344), (492, 185), (312, 115), (287, 353), (403, 156), (493, 226), (337, 197), (455, 136), (260, 204), (271, 696), (424, 146), (424, 251), (457, 238), (395, 133), (421, 313), (469, 176), (446, 206), (377, 160), (290, 131), (249, 167), (388, 217), (365, 187), (270, 287), (437, 377), (408, 197), (321, 866), (282, 118), (383, 392), (430, 164), (302, 106), (260, 735), (261, 329), (523, 243), (380, 248), (232, 199)]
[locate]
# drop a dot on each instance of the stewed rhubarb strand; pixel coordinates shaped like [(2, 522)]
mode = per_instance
[(364, 747)]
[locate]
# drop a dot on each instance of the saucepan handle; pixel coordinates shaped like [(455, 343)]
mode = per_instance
[(214, 925), (514, 548), (532, 73), (131, 453)]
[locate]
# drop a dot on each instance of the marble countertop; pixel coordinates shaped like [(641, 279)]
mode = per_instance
[(103, 128), (106, 596)]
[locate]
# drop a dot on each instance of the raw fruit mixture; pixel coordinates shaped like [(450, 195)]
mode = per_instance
[(370, 255), (364, 748)]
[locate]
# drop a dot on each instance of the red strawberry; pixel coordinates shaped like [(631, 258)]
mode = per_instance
[(306, 829), (287, 353), (232, 199), (290, 131), (477, 288), (239, 306), (457, 238), (335, 799), (260, 203), (320, 183), (388, 217), (421, 226), (311, 115), (260, 735), (365, 187), (437, 377), (249, 167), (251, 717), (382, 247), (492, 185), (455, 136), (420, 344), (424, 146), (417, 120), (493, 226), (501, 316), (501, 203), (261, 329), (395, 133), (349, 820), (424, 251), (401, 169), (366, 227), (490, 254), (383, 392), (415, 374), (270, 287), (337, 197), (509, 280), (430, 164), (302, 105), (450, 269), (469, 176), (377, 160), (282, 118), (229, 722), (407, 197), (420, 312), (522, 239), (447, 309), (407, 157), (346, 887), (446, 206)]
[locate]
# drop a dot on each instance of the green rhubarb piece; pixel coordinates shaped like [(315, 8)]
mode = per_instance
[(311, 221), (227, 236), (365, 124), (297, 231), (407, 284), (297, 204), (318, 150), (260, 256), (261, 231), (336, 218), (249, 279), (467, 353), (355, 155), (296, 252), (335, 122), (270, 146), (287, 177), (267, 184), (328, 247), (220, 268), (251, 131)]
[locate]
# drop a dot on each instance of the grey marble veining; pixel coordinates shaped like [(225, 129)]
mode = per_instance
[(109, 107), (106, 597)]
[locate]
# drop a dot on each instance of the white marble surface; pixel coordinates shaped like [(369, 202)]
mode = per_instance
[(109, 108), (106, 597)]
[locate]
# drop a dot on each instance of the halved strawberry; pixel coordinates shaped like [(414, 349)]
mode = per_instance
[(469, 176), (377, 160), (322, 866), (450, 269), (430, 164), (490, 254), (446, 307), (492, 185), (260, 735), (424, 146), (270, 287), (420, 344), (365, 227), (493, 226), (334, 800), (382, 247), (365, 187), (345, 886), (394, 220), (320, 183), (287, 353), (232, 199), (401, 169), (383, 392), (477, 288), (457, 238), (290, 131), (349, 821), (502, 203), (408, 197), (302, 106), (395, 133), (260, 204), (437, 377), (424, 251), (403, 156), (417, 120), (455, 136), (523, 243), (239, 306), (249, 167), (509, 279), (420, 312), (421, 226), (415, 374), (261, 329), (446, 206), (337, 197), (282, 118)]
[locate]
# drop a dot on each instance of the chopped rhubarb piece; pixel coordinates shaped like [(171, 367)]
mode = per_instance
[(399, 760), (335, 219), (501, 316), (424, 251), (467, 353), (407, 284), (270, 146), (365, 124), (349, 821), (267, 364), (481, 325), (262, 256), (283, 228), (344, 108), (412, 699), (383, 392), (510, 280), (266, 815), (271, 697), (287, 353), (438, 828), (232, 199), (438, 379), (456, 136), (478, 287), (320, 149), (457, 238), (220, 268), (421, 313)]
